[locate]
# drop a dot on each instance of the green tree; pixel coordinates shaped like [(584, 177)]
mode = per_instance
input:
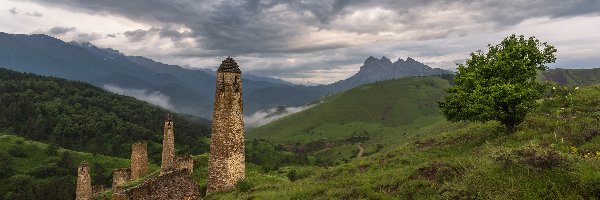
[(500, 84)]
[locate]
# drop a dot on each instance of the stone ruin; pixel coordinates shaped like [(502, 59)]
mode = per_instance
[(168, 152), (226, 162), (139, 160), (185, 163), (120, 176), (84, 182), (176, 184), (175, 179)]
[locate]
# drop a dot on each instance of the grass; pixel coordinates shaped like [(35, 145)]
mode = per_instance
[(554, 154), (35, 154), (395, 104), (382, 111)]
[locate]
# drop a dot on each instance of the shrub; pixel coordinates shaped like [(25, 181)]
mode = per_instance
[(292, 175), (244, 185), (17, 151)]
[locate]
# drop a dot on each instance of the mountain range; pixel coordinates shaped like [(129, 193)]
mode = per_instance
[(173, 87)]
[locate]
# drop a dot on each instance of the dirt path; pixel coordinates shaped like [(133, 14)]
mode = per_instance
[(360, 150)]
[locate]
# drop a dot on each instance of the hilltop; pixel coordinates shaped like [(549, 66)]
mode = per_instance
[(374, 69)]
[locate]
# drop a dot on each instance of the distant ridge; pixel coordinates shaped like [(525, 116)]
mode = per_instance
[(374, 70), (187, 90), (573, 77)]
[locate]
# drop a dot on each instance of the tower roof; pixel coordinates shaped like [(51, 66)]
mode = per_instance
[(169, 118), (229, 65)]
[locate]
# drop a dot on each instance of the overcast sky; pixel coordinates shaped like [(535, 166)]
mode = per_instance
[(318, 41)]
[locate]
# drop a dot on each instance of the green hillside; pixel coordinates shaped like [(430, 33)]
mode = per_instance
[(374, 114), (554, 154), (79, 116), (386, 104), (573, 77)]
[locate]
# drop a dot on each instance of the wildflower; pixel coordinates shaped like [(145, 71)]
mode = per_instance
[(554, 88), (577, 88)]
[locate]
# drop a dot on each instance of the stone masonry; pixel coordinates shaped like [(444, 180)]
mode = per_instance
[(139, 160), (168, 152), (84, 182), (226, 161), (185, 163), (176, 184), (120, 176)]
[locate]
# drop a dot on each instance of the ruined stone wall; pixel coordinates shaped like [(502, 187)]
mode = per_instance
[(120, 176), (139, 160), (226, 161), (96, 189), (185, 163), (84, 182), (168, 152), (171, 185)]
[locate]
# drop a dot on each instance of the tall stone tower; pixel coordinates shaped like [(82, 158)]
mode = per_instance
[(84, 182), (139, 160), (226, 161), (168, 152)]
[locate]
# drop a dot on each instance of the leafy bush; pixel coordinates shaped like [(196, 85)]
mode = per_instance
[(17, 151), (501, 84), (536, 157), (244, 185), (292, 175)]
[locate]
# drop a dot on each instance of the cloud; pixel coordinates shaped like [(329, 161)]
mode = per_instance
[(260, 118), (87, 37), (137, 35), (59, 30), (152, 97), (325, 40), (14, 11)]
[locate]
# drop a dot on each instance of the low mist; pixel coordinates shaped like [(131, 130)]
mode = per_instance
[(264, 117), (152, 97)]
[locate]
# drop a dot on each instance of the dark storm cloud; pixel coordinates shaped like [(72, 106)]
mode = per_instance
[(59, 30), (257, 26), (321, 34)]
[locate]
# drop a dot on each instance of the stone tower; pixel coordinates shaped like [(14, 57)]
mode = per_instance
[(226, 161), (139, 160), (168, 152), (84, 182)]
